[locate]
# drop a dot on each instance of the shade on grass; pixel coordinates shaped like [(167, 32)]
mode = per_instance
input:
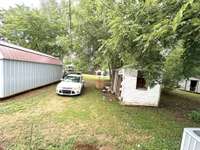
[(41, 119)]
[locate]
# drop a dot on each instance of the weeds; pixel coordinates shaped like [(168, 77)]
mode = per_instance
[(195, 116)]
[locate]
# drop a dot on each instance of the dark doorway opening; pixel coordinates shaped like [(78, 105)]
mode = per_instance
[(193, 85), (119, 85)]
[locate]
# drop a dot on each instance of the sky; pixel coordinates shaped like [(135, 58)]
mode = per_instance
[(5, 4), (10, 3)]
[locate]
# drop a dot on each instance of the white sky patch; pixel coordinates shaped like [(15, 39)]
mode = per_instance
[(5, 4)]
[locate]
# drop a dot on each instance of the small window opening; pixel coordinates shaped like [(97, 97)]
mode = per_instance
[(141, 82)]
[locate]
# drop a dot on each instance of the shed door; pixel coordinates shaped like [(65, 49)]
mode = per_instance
[(193, 85), (119, 85)]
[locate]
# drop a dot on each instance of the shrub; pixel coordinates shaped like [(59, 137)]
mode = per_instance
[(195, 116)]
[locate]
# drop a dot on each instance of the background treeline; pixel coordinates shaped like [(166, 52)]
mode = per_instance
[(161, 37)]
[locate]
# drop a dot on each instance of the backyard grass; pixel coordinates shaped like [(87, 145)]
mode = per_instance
[(40, 119)]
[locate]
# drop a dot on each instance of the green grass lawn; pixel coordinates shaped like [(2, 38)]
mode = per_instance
[(40, 119)]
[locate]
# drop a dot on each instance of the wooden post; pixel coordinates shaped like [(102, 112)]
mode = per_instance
[(185, 84)]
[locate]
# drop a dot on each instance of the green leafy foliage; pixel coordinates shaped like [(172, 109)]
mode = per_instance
[(39, 29), (173, 67), (150, 34), (155, 34), (195, 116)]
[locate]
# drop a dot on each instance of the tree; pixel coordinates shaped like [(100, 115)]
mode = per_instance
[(144, 33), (89, 30), (41, 29), (149, 32), (173, 67)]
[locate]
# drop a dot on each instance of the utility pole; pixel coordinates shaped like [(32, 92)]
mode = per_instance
[(70, 27), (70, 16)]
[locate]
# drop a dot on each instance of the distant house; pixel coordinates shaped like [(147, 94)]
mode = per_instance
[(102, 72), (130, 87), (192, 84)]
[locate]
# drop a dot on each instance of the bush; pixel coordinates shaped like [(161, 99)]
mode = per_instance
[(195, 116)]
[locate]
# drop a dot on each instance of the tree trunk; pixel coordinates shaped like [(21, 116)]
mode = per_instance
[(112, 74)]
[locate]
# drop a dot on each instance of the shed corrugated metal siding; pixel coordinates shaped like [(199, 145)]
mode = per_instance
[(23, 69), (1, 79), (21, 76)]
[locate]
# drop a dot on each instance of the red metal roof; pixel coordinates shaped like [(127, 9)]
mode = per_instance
[(14, 52)]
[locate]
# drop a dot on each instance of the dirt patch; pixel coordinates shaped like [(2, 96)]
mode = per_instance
[(111, 97), (29, 93), (81, 146)]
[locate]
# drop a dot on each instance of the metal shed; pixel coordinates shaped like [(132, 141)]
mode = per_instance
[(130, 87), (192, 84), (23, 69)]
